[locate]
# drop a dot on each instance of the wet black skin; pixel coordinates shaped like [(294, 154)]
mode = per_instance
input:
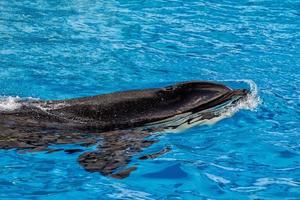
[(112, 121)]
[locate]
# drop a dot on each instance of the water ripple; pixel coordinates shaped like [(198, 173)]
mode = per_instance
[(64, 49)]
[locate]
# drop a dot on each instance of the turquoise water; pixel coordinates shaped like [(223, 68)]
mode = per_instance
[(71, 48)]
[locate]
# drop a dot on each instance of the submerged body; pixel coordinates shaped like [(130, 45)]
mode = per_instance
[(120, 121)]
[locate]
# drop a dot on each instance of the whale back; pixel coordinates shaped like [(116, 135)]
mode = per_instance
[(138, 107)]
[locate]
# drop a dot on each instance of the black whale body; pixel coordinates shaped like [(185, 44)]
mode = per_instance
[(109, 119)]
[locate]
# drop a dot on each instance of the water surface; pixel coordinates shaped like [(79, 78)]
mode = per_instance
[(71, 48)]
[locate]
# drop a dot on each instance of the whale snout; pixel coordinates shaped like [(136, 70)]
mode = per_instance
[(196, 96)]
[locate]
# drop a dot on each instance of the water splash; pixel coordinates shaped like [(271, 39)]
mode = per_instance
[(251, 102), (10, 103)]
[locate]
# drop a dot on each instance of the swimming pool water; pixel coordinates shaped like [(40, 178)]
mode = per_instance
[(73, 48)]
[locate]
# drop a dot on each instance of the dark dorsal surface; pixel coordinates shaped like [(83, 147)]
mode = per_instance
[(109, 121), (137, 107)]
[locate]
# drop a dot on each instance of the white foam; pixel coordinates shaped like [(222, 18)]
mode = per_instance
[(251, 102), (10, 103)]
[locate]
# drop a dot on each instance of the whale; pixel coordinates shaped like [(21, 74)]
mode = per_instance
[(119, 124)]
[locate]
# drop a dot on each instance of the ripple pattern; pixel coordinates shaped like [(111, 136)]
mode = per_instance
[(72, 48)]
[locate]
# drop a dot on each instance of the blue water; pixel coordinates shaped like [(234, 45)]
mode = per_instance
[(71, 48)]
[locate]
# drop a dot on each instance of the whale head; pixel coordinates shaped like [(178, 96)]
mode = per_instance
[(191, 103)]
